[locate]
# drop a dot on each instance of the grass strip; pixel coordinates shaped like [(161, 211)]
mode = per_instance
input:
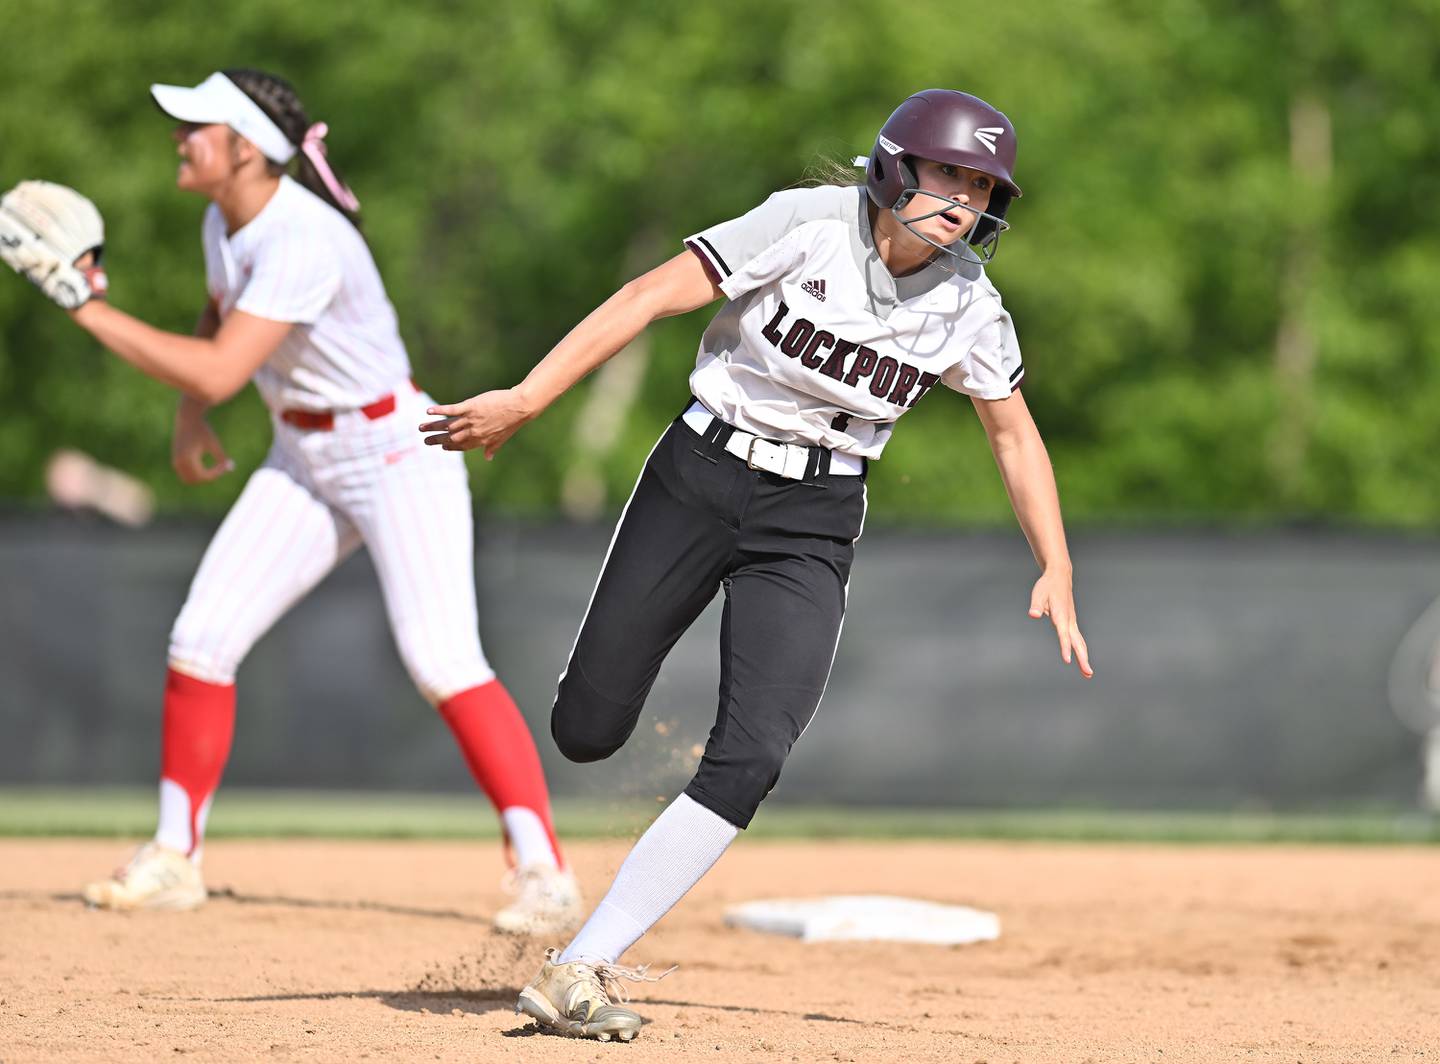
[(251, 813)]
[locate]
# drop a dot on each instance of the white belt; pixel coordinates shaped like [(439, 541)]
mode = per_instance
[(789, 460)]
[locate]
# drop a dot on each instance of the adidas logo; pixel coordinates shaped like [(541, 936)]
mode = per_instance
[(814, 288)]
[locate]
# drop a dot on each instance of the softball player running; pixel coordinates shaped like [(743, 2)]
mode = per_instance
[(845, 306), (296, 303)]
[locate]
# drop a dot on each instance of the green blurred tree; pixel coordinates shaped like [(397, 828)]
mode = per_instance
[(1221, 268)]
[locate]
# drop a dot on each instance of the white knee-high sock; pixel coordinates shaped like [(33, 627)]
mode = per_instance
[(528, 838), (681, 846)]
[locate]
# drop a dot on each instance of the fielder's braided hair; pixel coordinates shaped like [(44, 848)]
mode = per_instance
[(278, 99)]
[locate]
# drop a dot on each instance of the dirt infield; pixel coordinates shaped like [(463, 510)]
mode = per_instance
[(381, 951)]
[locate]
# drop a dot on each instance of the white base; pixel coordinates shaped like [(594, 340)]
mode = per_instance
[(866, 918)]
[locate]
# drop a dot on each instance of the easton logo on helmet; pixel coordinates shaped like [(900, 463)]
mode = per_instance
[(986, 135), (890, 146)]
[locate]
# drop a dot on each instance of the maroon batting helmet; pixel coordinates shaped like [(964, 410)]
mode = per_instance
[(947, 127)]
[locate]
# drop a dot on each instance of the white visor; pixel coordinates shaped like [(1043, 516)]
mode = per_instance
[(218, 100)]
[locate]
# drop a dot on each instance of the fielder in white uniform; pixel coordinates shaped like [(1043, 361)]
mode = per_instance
[(844, 307), (297, 304)]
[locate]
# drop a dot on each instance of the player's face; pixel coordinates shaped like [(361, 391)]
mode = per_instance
[(961, 184), (206, 156)]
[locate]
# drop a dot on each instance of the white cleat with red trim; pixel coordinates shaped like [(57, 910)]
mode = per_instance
[(155, 878)]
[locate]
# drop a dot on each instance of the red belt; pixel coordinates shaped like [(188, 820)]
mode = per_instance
[(324, 420)]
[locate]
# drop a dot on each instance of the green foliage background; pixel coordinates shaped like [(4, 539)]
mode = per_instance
[(518, 161)]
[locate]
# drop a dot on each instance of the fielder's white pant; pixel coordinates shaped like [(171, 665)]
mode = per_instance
[(319, 495)]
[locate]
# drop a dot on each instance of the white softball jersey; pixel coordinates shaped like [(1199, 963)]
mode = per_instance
[(322, 493), (299, 260), (820, 344)]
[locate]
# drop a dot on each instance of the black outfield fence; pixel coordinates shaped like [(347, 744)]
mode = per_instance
[(1232, 669)]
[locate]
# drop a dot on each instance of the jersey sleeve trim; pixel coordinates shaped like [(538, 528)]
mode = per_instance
[(712, 260)]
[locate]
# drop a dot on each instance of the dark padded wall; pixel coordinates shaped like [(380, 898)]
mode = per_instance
[(1232, 669)]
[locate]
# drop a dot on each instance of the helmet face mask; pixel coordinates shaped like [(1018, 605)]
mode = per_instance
[(979, 243), (947, 127)]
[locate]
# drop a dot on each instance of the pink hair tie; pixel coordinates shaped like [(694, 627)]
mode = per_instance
[(314, 148)]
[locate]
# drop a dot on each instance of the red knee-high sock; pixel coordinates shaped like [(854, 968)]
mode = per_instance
[(500, 751), (199, 725)]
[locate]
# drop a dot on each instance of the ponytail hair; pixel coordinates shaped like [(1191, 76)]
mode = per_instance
[(833, 170), (278, 99)]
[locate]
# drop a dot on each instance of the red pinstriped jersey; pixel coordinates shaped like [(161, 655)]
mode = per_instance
[(299, 260)]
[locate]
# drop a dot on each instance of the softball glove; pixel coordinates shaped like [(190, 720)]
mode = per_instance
[(45, 229)]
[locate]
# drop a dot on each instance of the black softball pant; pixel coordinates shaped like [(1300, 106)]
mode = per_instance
[(699, 520)]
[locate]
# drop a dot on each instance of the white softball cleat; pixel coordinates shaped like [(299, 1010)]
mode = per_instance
[(547, 902), (576, 999), (155, 878)]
